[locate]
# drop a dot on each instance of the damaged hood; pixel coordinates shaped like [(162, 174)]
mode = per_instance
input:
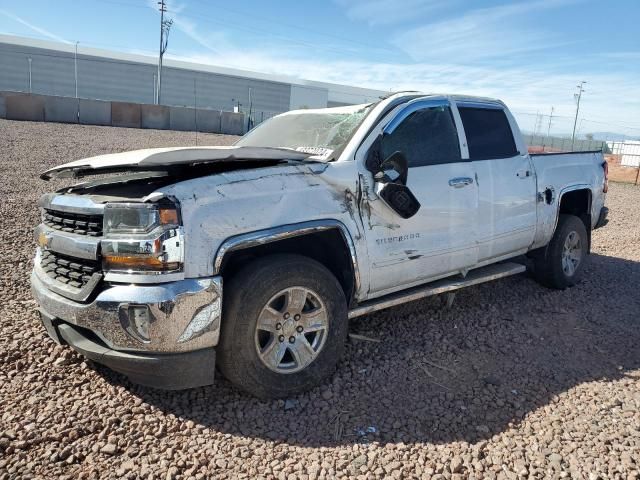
[(156, 158)]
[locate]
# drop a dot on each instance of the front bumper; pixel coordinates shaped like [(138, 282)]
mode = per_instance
[(167, 371), (183, 315), (183, 327)]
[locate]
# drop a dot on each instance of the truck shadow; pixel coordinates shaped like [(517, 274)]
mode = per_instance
[(439, 375)]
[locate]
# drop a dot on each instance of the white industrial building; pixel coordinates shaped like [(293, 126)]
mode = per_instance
[(49, 68), (628, 150)]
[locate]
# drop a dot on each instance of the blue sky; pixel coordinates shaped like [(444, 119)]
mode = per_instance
[(530, 53)]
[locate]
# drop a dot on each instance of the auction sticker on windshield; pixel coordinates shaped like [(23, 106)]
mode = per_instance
[(319, 153)]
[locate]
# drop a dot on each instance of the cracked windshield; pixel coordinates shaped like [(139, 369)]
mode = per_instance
[(318, 132)]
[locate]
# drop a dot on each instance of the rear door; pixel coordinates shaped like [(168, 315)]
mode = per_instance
[(505, 177), (440, 238)]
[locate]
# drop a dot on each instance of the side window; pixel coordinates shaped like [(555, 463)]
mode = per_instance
[(488, 133), (426, 137)]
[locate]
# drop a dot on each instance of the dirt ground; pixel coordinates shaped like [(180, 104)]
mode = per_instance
[(513, 381)]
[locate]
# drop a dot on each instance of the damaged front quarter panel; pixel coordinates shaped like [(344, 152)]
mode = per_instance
[(218, 207)]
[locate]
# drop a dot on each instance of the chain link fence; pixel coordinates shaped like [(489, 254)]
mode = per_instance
[(619, 143)]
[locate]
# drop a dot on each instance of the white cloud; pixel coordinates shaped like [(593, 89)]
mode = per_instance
[(387, 12), (486, 33), (525, 90), (35, 28)]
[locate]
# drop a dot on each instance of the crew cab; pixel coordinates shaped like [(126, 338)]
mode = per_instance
[(165, 263)]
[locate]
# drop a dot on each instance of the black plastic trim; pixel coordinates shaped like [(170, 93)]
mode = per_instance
[(175, 371)]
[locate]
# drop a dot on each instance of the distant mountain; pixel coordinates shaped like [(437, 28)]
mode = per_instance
[(612, 136)]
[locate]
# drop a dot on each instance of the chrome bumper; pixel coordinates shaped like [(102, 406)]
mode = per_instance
[(183, 316)]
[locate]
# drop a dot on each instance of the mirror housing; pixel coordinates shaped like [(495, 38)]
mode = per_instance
[(392, 172), (396, 168), (374, 156)]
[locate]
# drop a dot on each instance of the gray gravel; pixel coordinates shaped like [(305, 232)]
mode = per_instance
[(513, 381)]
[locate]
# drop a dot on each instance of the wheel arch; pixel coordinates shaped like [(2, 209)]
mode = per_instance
[(576, 200), (326, 241)]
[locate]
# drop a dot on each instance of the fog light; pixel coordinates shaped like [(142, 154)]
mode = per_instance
[(136, 320)]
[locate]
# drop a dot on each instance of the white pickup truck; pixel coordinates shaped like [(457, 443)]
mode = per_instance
[(312, 218)]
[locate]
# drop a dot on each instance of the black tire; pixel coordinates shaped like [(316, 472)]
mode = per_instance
[(548, 267), (246, 294)]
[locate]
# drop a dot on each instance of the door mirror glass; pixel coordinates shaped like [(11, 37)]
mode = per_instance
[(400, 199)]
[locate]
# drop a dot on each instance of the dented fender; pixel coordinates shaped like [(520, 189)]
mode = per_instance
[(221, 210)]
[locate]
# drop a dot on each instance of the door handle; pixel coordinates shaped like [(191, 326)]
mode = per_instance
[(460, 182), (523, 174)]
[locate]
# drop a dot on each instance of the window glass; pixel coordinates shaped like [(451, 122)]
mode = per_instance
[(321, 131), (488, 133), (426, 137)]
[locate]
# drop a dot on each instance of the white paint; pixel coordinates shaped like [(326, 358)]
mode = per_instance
[(154, 157), (456, 229)]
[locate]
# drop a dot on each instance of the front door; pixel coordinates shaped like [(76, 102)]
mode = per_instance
[(440, 239)]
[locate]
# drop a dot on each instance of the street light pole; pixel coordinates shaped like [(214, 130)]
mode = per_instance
[(578, 97), (75, 67), (29, 59)]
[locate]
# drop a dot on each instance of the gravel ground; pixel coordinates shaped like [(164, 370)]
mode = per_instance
[(513, 381)]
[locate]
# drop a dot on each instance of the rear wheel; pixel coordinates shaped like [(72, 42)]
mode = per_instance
[(284, 327), (561, 263)]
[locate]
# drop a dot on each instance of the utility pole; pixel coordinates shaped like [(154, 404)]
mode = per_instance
[(165, 26), (75, 67), (578, 97)]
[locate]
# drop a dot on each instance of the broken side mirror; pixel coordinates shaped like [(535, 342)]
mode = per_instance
[(400, 199), (374, 156), (392, 172), (394, 169)]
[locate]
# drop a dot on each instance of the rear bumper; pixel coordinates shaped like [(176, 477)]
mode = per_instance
[(175, 371), (602, 218)]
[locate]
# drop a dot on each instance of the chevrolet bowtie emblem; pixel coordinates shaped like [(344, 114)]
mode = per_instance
[(43, 240)]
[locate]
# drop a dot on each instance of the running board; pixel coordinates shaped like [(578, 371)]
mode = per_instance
[(474, 277)]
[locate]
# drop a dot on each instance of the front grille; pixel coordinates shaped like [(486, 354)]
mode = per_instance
[(75, 272), (77, 223)]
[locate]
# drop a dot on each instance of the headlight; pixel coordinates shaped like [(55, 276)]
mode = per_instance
[(138, 217), (142, 239)]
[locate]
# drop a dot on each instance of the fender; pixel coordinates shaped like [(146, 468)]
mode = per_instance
[(571, 188), (273, 234)]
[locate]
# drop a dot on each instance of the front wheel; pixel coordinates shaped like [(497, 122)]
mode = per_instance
[(284, 326), (560, 265)]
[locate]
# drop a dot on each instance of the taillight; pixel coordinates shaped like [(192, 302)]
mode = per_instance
[(605, 166)]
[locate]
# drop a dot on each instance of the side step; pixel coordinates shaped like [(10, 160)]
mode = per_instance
[(474, 277)]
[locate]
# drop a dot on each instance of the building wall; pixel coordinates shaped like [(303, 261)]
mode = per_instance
[(52, 73), (116, 76), (303, 96)]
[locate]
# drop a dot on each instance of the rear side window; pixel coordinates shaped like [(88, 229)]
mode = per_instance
[(426, 137), (488, 133)]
